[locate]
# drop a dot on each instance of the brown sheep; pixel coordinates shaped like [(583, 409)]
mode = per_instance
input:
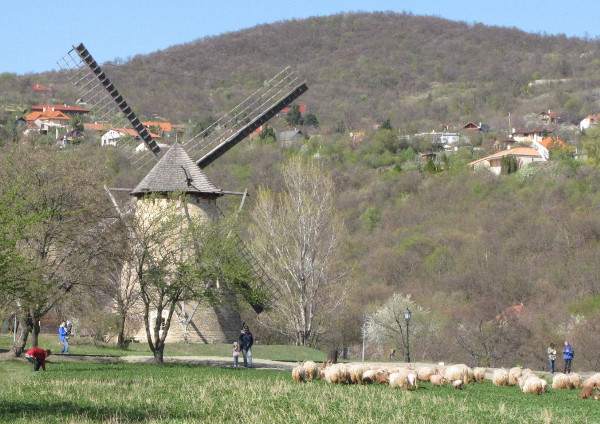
[(479, 374), (437, 380), (500, 377)]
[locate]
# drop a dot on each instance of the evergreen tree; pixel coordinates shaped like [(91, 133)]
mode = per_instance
[(311, 120), (509, 164), (294, 117)]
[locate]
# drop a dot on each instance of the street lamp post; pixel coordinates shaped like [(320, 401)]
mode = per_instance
[(407, 315)]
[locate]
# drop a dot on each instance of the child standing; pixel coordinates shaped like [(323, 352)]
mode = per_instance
[(236, 354)]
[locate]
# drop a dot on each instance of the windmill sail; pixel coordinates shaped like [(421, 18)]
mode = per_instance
[(97, 90), (245, 118)]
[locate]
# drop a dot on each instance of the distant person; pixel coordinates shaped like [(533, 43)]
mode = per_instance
[(236, 354), (392, 354), (568, 355), (69, 328), (37, 356), (246, 342), (63, 337), (552, 357)]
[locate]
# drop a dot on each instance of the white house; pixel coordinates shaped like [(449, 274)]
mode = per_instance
[(589, 121), (530, 136), (524, 156), (112, 136), (141, 148)]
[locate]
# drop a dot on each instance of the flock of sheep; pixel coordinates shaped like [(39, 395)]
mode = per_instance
[(457, 376)]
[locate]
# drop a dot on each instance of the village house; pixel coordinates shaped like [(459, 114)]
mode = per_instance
[(302, 108), (291, 137), (589, 121), (112, 136), (549, 117), (524, 156), (164, 129), (530, 135), (476, 127), (43, 121), (69, 110)]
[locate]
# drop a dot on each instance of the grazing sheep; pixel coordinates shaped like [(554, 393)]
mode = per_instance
[(369, 376), (575, 380), (458, 384), (311, 371), (561, 381), (404, 380), (380, 376), (479, 374), (526, 373), (513, 375), (437, 380), (590, 387), (500, 377), (356, 372), (459, 372), (425, 373), (298, 374), (337, 374), (534, 385)]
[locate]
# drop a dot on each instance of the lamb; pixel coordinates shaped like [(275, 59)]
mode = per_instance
[(437, 380), (534, 385), (458, 384), (311, 371), (500, 377), (561, 381), (513, 375), (404, 380), (459, 372), (425, 373), (298, 374), (479, 374)]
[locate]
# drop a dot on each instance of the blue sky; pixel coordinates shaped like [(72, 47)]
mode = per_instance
[(35, 34)]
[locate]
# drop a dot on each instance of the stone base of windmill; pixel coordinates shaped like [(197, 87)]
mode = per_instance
[(208, 324)]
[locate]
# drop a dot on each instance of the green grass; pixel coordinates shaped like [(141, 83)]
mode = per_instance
[(273, 352), (124, 393)]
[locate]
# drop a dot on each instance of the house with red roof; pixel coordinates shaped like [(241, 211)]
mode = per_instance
[(549, 117), (112, 136), (43, 121), (70, 110)]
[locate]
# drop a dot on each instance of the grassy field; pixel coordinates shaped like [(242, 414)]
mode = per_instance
[(273, 352), (90, 393)]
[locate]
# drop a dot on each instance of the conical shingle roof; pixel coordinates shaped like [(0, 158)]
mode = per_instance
[(173, 173)]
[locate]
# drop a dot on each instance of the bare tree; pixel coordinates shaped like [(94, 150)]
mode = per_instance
[(296, 235)]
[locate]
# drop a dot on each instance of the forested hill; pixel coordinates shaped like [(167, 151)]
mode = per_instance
[(362, 68)]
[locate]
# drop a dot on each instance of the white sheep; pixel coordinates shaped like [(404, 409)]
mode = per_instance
[(425, 373), (311, 370), (479, 374), (590, 387), (298, 374), (380, 376), (575, 380), (356, 372), (513, 375), (458, 384), (437, 380), (404, 380), (500, 377), (458, 372), (337, 374), (561, 381), (534, 385)]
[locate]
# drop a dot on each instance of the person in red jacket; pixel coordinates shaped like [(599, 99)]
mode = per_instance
[(37, 356)]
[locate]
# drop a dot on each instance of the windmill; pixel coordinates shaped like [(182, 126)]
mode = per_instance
[(176, 171)]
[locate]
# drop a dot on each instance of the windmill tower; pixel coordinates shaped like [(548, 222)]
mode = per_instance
[(177, 172)]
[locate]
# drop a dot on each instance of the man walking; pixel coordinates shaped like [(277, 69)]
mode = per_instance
[(37, 357), (568, 355), (552, 357), (63, 337), (246, 341)]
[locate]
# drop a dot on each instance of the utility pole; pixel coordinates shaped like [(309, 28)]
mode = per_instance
[(364, 332)]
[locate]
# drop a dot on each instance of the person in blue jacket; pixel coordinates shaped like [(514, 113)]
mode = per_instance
[(568, 355), (63, 337)]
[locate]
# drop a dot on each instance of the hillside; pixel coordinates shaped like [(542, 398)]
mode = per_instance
[(362, 68)]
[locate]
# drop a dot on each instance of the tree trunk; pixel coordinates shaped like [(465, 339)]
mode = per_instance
[(24, 330), (121, 335), (35, 333), (158, 353)]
